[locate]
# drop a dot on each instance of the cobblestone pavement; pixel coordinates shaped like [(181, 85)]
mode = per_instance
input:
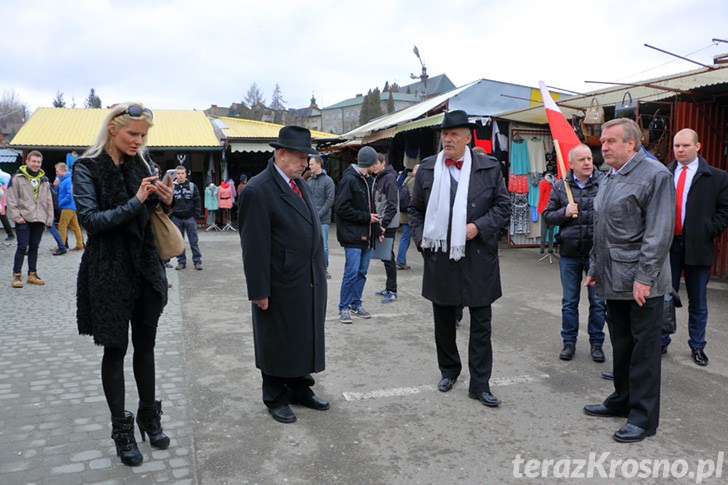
[(387, 422), (54, 422)]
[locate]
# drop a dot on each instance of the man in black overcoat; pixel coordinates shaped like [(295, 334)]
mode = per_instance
[(459, 205), (285, 272), (702, 205)]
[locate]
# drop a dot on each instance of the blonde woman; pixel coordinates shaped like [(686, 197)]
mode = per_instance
[(121, 281)]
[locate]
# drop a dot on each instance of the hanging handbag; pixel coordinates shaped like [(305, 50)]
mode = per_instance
[(627, 108), (594, 114), (167, 238)]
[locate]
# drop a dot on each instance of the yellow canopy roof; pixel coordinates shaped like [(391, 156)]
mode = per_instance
[(242, 128), (67, 128)]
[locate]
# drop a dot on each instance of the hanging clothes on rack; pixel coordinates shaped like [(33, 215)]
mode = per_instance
[(536, 154)]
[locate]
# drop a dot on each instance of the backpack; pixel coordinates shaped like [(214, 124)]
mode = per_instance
[(404, 198)]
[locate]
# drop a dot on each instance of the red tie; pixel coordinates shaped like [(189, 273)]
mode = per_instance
[(679, 199), (449, 162), (296, 189)]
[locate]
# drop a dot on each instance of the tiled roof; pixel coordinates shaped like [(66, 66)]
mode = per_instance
[(76, 128), (237, 128)]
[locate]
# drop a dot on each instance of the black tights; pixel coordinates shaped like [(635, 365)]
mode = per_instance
[(144, 320)]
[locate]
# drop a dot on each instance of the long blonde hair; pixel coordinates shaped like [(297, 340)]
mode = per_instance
[(114, 117)]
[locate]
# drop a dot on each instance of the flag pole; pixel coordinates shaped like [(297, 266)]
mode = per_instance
[(560, 159)]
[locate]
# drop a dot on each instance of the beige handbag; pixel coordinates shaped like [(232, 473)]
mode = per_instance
[(594, 113), (167, 237)]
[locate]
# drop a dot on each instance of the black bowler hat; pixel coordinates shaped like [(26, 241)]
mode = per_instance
[(455, 119), (294, 138)]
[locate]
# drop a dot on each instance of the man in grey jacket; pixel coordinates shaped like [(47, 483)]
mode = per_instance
[(634, 217), (323, 191)]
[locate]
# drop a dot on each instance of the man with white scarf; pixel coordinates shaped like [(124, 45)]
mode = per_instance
[(459, 205)]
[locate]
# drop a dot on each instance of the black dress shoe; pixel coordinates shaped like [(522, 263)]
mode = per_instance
[(699, 357), (486, 398), (631, 433), (608, 375), (283, 414), (312, 402), (567, 353), (446, 384), (601, 411), (597, 354)]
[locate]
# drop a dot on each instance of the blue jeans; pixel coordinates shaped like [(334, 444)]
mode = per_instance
[(190, 227), (355, 276), (404, 243), (28, 235), (572, 270), (57, 236), (325, 237), (696, 285)]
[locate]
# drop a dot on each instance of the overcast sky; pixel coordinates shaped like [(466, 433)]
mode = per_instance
[(189, 54)]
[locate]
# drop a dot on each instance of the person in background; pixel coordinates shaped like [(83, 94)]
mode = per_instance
[(405, 195), (323, 192), (67, 207), (122, 282), (386, 203), (357, 226), (459, 205), (575, 221), (634, 217), (4, 182), (187, 209), (30, 206), (702, 208)]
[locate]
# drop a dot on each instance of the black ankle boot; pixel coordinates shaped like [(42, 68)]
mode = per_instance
[(149, 421), (123, 435)]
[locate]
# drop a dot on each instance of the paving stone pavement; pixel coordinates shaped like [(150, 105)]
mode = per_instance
[(54, 422)]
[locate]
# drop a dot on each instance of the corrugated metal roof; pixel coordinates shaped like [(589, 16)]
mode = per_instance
[(77, 128), (8, 156), (250, 147), (237, 128), (649, 90)]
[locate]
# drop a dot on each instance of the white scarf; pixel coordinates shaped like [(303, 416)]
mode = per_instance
[(437, 214)]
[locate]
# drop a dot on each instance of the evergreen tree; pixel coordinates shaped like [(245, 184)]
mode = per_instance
[(390, 103), (92, 101), (365, 108), (278, 105), (58, 101), (386, 87), (376, 106)]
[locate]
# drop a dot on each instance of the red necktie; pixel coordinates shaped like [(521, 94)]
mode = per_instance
[(449, 162), (679, 199), (296, 189)]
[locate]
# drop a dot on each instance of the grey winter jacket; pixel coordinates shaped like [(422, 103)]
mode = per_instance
[(323, 191), (634, 217)]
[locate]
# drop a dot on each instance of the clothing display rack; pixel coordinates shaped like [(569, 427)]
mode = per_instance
[(227, 226)]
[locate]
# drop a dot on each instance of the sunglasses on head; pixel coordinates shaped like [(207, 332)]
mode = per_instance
[(136, 112)]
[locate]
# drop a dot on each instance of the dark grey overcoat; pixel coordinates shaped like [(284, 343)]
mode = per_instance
[(474, 280), (283, 259)]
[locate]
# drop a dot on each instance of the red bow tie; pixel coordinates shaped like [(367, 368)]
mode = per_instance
[(449, 162)]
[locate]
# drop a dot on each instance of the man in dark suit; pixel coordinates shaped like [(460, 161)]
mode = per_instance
[(459, 205), (633, 225), (701, 209), (285, 272)]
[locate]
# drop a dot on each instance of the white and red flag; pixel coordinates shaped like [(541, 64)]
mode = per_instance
[(561, 130)]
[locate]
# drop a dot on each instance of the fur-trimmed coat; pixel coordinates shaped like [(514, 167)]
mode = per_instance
[(120, 257)]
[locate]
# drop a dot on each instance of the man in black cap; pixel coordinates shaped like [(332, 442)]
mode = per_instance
[(459, 205), (285, 272), (357, 226)]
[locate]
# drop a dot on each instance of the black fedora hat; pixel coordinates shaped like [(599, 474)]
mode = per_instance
[(455, 119), (294, 138)]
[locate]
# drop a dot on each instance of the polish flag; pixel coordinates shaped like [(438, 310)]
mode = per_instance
[(561, 130)]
